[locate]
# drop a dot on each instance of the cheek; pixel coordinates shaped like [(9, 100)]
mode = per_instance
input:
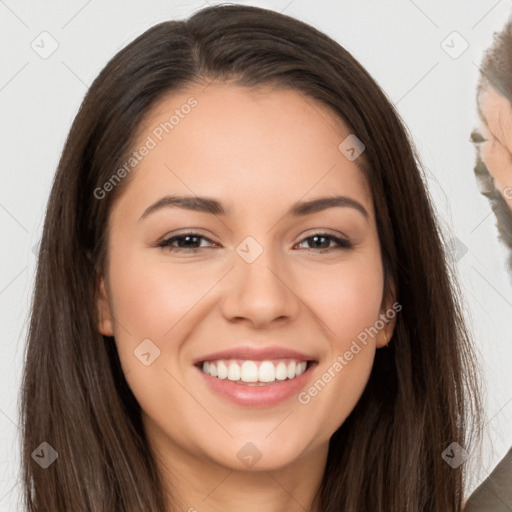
[(151, 300), (498, 162), (348, 302), (150, 295), (348, 297)]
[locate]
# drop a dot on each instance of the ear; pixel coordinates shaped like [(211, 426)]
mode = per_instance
[(105, 324), (388, 313)]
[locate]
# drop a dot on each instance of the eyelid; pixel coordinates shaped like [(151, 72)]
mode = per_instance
[(184, 232), (325, 232)]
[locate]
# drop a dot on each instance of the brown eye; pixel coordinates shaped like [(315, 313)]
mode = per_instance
[(317, 241), (186, 242)]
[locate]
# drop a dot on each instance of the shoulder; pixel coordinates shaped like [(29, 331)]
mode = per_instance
[(494, 494)]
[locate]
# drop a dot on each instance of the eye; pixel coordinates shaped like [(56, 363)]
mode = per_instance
[(186, 242), (318, 242), (191, 242)]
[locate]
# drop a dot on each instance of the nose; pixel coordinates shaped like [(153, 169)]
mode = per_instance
[(260, 292)]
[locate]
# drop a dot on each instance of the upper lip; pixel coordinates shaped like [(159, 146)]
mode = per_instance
[(255, 354)]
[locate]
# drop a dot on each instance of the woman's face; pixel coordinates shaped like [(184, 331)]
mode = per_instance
[(496, 151), (251, 278)]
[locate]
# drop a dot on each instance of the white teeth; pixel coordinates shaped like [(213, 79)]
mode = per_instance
[(222, 370), (233, 371), (267, 372), (281, 371), (291, 370), (250, 372)]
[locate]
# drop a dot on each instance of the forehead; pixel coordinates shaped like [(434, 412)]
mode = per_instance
[(246, 143)]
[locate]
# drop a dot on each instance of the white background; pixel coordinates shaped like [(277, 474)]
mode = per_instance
[(398, 42)]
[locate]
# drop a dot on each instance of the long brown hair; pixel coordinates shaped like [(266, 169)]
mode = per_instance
[(387, 455)]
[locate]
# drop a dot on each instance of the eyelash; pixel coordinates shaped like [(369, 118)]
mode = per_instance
[(342, 243)]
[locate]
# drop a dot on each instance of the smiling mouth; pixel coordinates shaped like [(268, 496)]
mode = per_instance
[(255, 373)]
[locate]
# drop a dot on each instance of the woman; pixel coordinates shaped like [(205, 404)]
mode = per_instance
[(307, 351)]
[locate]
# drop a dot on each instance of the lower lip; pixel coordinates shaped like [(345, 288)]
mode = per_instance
[(258, 396)]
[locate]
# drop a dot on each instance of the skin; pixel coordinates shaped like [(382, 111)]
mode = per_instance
[(258, 152), (496, 127)]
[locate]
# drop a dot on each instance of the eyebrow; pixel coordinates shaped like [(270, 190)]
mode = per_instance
[(210, 205)]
